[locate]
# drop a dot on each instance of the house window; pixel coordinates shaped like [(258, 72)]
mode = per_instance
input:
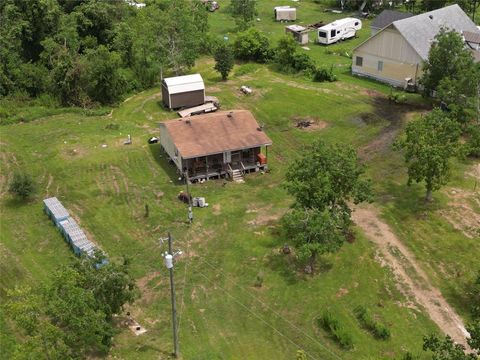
[(359, 61), (380, 66)]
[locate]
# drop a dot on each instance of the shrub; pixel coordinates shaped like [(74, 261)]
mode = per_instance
[(378, 330), (224, 60), (472, 146), (331, 324), (397, 98), (21, 185), (322, 74), (303, 62), (252, 45)]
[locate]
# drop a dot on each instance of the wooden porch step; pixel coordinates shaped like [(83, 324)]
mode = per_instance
[(237, 176)]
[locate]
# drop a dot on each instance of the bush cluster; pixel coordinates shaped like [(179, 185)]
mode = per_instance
[(322, 74), (331, 324), (378, 330)]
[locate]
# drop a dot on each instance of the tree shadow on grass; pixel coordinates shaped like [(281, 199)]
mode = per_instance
[(288, 265), (161, 158), (410, 200)]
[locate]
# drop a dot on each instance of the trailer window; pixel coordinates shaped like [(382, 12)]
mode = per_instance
[(356, 24), (332, 33), (380, 66), (359, 61), (322, 34)]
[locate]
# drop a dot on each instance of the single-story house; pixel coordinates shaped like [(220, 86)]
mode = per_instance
[(395, 54), (300, 33), (385, 18), (215, 145), (285, 13), (183, 91)]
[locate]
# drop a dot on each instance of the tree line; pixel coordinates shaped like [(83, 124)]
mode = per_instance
[(87, 52)]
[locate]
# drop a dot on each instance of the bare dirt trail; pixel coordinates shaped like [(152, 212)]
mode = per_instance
[(412, 281)]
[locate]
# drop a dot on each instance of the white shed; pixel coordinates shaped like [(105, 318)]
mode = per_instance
[(286, 13), (183, 91)]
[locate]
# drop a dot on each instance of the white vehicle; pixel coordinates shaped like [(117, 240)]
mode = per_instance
[(338, 30)]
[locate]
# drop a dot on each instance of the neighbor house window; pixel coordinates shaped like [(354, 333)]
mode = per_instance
[(380, 66), (359, 61)]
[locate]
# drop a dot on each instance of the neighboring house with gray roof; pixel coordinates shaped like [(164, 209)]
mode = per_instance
[(385, 18), (396, 53)]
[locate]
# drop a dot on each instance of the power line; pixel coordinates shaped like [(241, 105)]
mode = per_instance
[(272, 310), (257, 316)]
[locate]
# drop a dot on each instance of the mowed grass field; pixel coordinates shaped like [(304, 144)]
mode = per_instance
[(222, 315)]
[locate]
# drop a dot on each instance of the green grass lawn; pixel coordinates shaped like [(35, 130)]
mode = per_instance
[(222, 314)]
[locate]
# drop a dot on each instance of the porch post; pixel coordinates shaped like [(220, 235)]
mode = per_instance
[(266, 154), (206, 165)]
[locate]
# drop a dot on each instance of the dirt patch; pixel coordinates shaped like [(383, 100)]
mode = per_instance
[(474, 172), (300, 86), (264, 215), (149, 293), (411, 280), (460, 212), (309, 123), (341, 292), (216, 209), (372, 93)]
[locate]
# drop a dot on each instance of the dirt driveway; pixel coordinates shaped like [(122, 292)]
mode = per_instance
[(411, 280)]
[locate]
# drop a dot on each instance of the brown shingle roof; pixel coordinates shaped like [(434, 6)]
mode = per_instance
[(215, 133), (472, 37)]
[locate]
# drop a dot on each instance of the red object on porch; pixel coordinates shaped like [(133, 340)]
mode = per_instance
[(262, 159)]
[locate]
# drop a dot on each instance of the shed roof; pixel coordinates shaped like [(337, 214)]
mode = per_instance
[(386, 17), (296, 28), (472, 37), (180, 84), (284, 9), (56, 208), (215, 133), (420, 30)]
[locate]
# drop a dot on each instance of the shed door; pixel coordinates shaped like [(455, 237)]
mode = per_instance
[(227, 157)]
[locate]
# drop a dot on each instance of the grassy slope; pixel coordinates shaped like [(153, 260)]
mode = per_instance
[(221, 314)]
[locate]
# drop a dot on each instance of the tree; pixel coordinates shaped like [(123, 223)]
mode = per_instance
[(21, 185), (70, 315), (252, 45), (453, 73), (445, 349), (285, 51), (224, 60), (103, 81), (111, 284), (323, 183), (244, 11), (328, 177), (429, 5), (429, 143), (313, 233)]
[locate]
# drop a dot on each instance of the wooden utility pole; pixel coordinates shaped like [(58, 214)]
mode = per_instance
[(169, 264)]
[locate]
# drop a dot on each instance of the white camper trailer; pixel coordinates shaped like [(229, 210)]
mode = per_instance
[(285, 13), (338, 30)]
